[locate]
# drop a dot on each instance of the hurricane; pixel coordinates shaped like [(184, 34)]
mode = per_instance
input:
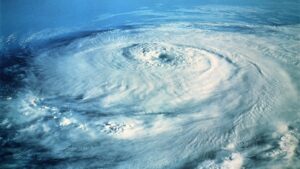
[(203, 87)]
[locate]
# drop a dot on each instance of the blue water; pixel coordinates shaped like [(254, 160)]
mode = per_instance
[(150, 84), (23, 17)]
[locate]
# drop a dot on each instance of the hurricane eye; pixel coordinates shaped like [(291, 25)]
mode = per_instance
[(165, 58)]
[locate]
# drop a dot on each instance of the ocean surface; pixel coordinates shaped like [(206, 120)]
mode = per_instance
[(150, 84)]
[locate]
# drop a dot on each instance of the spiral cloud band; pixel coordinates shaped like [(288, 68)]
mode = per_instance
[(168, 95)]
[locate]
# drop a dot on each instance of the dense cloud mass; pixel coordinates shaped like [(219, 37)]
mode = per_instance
[(172, 94)]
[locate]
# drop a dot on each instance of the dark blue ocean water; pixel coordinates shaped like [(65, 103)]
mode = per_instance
[(23, 17)]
